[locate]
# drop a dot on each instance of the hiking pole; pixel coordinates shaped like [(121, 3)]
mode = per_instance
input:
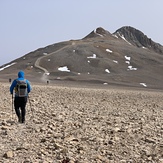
[(12, 106), (30, 105)]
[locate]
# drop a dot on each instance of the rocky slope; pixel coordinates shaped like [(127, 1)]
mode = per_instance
[(127, 57), (83, 125)]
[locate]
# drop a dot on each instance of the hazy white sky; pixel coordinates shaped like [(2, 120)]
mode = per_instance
[(26, 25)]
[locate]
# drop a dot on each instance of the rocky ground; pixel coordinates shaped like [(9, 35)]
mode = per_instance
[(83, 125)]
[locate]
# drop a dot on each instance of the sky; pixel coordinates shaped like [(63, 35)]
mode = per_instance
[(26, 25)]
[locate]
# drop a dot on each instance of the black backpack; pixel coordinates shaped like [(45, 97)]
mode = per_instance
[(21, 88)]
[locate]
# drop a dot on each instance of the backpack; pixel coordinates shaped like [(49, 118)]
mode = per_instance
[(21, 88)]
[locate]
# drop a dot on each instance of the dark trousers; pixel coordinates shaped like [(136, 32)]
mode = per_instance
[(20, 104)]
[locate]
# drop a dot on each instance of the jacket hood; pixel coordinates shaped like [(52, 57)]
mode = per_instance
[(21, 74)]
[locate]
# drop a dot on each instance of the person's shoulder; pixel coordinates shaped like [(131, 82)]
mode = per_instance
[(27, 81), (15, 80)]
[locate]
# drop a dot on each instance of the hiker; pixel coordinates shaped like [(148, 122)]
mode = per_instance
[(9, 80), (21, 87)]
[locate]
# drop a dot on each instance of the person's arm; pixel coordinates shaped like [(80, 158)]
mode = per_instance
[(12, 86), (29, 88)]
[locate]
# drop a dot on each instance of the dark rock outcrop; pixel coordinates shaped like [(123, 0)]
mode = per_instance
[(98, 32), (138, 38)]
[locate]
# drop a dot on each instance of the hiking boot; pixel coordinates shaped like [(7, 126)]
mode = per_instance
[(23, 120), (20, 119)]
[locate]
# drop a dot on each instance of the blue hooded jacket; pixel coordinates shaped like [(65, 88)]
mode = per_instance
[(14, 83)]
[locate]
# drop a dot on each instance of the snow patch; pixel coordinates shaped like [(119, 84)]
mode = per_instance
[(115, 61), (106, 70), (115, 35), (98, 33), (64, 68), (127, 58), (143, 84), (108, 50), (47, 73), (127, 62), (94, 56), (122, 36), (131, 68)]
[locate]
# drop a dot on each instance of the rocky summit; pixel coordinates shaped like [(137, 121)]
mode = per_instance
[(126, 57)]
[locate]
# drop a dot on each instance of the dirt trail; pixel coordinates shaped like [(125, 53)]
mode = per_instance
[(37, 63)]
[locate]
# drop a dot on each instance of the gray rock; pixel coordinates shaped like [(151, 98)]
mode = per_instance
[(9, 154)]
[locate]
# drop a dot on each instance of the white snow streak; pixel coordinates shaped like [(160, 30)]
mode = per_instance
[(7, 66), (143, 84), (106, 70), (115, 61), (64, 69), (131, 68), (128, 58), (98, 33), (108, 50), (128, 62), (94, 56), (122, 36)]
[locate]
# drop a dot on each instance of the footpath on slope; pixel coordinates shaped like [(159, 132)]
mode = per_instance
[(37, 63)]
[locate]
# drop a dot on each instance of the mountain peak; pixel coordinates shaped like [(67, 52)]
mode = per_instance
[(98, 32), (138, 38)]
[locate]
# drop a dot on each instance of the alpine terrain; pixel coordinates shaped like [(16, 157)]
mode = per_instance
[(127, 57), (94, 100)]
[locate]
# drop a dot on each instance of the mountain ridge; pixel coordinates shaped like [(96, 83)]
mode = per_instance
[(125, 57), (139, 39)]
